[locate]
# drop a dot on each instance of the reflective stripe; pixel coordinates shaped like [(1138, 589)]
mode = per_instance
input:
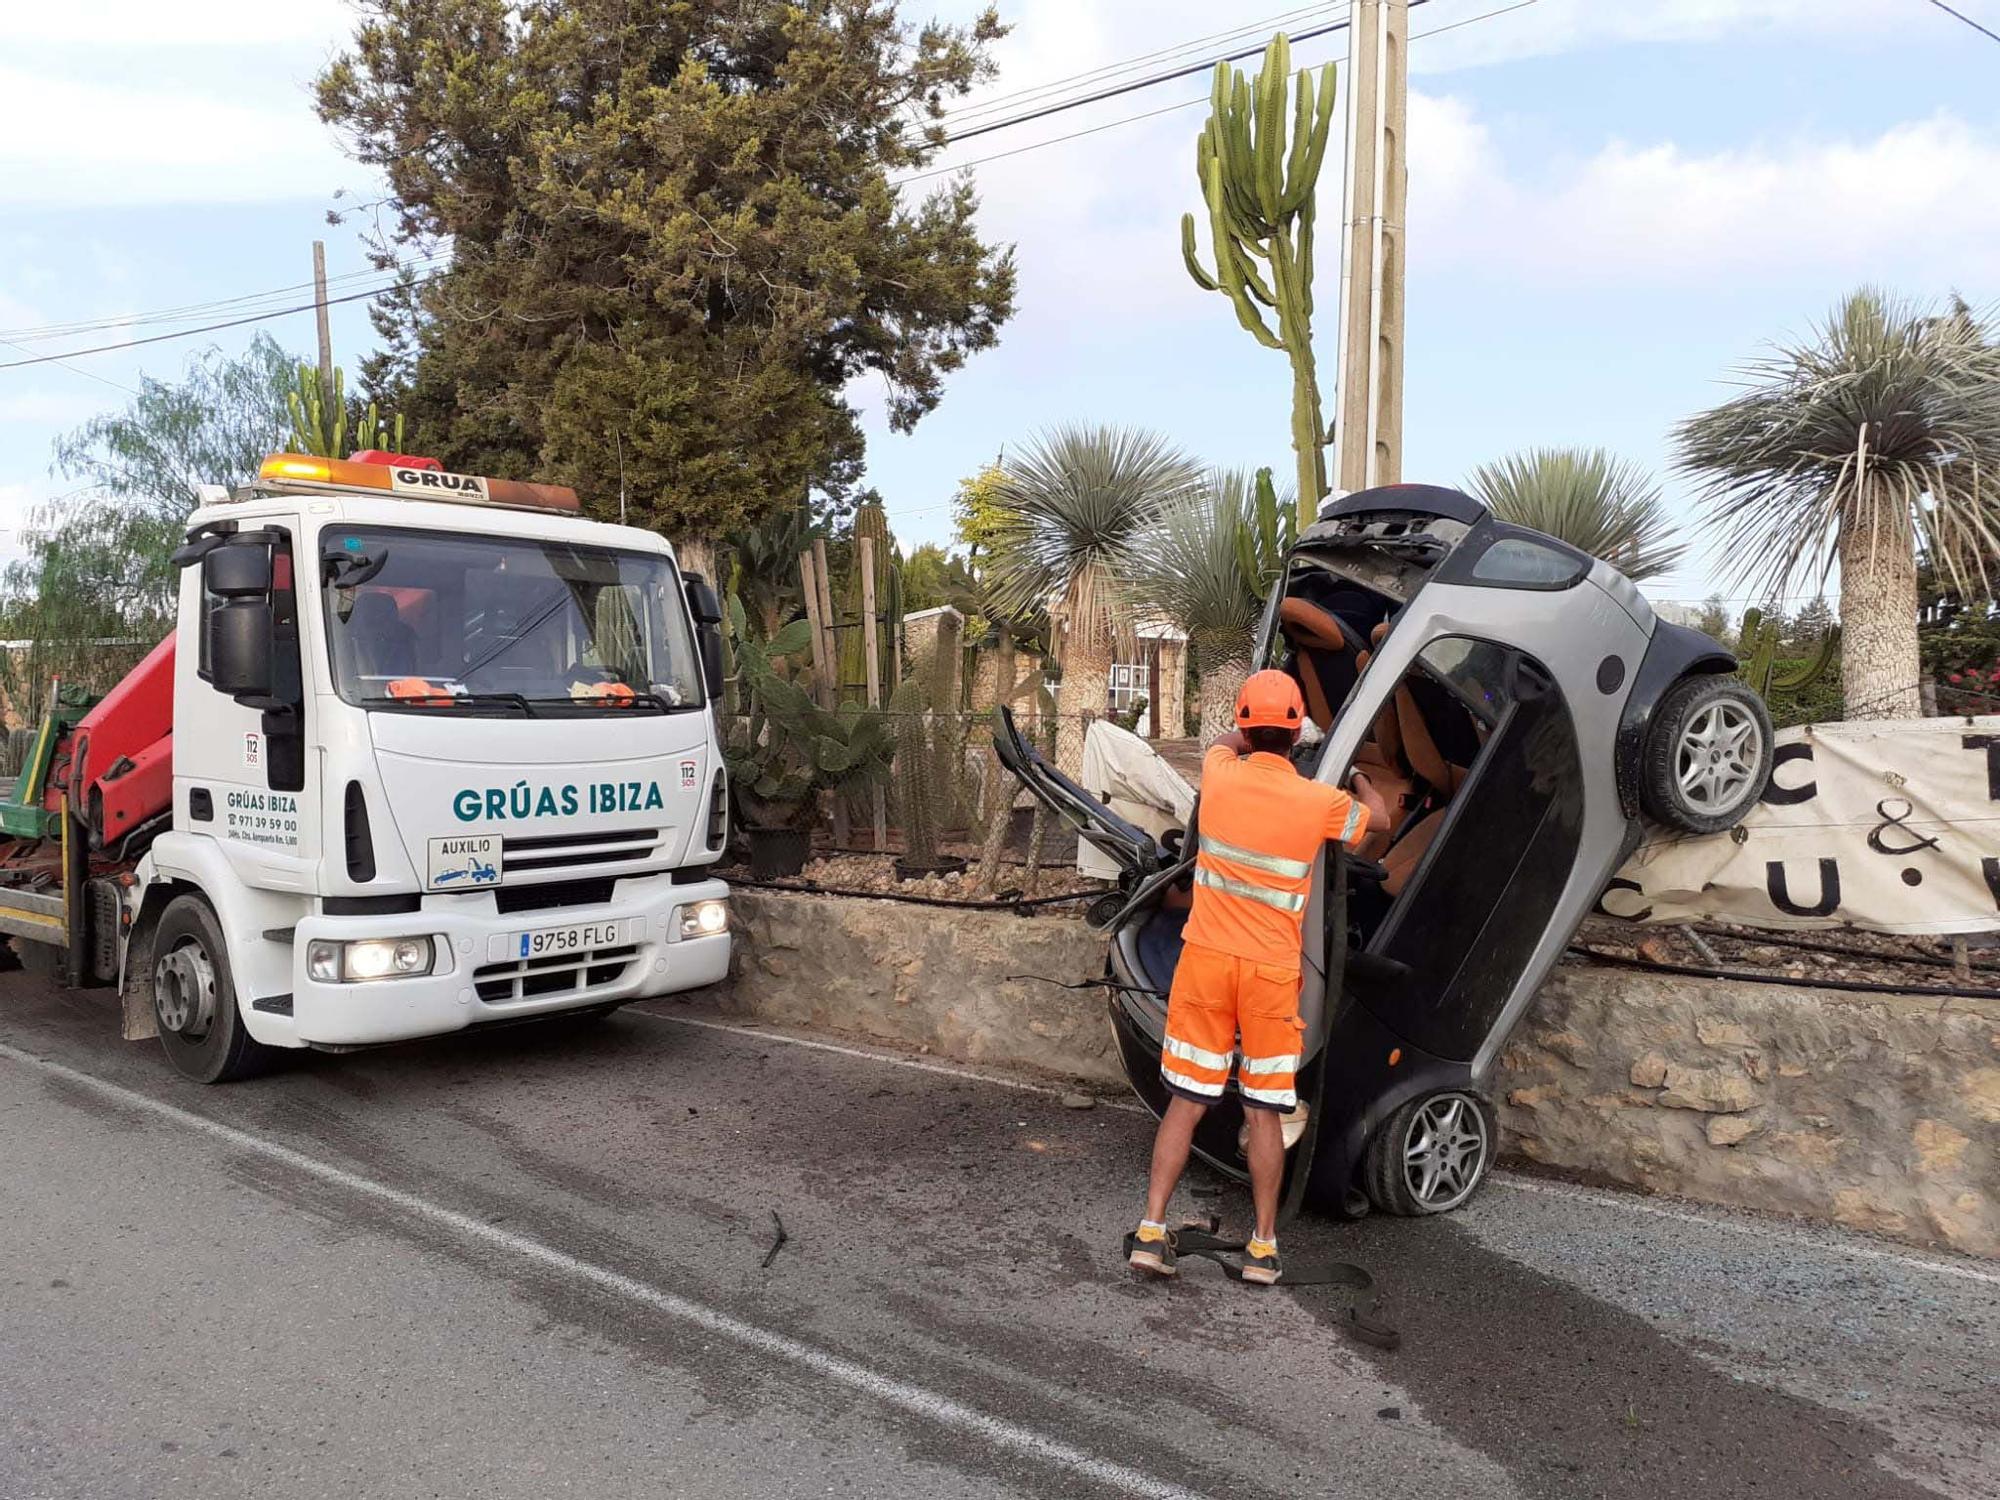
[(1286, 1064), (1286, 901), (1192, 1085), (1270, 864), (1283, 1098), (1201, 1057), (1357, 818)]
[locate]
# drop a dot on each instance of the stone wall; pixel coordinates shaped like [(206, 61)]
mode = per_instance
[(1879, 1111), (926, 977)]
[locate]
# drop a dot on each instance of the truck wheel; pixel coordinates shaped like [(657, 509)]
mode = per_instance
[(194, 1000), (1709, 755), (1430, 1156)]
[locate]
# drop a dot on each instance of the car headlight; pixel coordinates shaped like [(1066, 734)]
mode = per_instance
[(704, 919), (365, 959)]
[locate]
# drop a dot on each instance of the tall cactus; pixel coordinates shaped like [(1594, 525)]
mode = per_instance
[(1758, 649), (870, 521), (320, 418), (1260, 198)]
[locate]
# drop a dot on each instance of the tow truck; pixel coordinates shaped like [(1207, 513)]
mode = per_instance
[(425, 751)]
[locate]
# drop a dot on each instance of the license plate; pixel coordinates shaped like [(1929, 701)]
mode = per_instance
[(552, 942)]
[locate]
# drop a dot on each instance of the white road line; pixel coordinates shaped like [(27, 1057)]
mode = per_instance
[(1632, 1204), (1622, 1202), (895, 1059), (914, 1399)]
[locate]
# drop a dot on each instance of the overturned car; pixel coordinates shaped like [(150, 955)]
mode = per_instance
[(1523, 711)]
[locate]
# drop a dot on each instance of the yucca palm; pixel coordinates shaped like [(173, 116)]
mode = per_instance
[(1068, 505), (1191, 569), (1877, 438), (1602, 505)]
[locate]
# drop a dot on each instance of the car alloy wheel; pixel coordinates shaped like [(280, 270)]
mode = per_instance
[(1445, 1151), (1720, 757)]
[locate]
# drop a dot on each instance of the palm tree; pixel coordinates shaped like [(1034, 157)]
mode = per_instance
[(1191, 569), (1598, 504), (1068, 505), (1876, 439)]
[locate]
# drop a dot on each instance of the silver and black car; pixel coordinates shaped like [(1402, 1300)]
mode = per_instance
[(1524, 712)]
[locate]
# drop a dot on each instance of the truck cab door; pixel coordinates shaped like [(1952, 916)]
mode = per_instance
[(240, 763)]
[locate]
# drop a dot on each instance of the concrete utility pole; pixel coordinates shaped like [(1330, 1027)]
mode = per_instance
[(325, 329), (1368, 437)]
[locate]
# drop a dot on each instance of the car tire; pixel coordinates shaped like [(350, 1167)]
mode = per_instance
[(1431, 1155), (194, 998), (1708, 757)]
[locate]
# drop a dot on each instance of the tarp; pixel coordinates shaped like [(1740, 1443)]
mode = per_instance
[(1126, 774), (1891, 825)]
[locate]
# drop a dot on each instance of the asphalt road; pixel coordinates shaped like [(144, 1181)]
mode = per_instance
[(533, 1263)]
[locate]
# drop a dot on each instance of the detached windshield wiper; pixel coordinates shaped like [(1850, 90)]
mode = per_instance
[(447, 701)]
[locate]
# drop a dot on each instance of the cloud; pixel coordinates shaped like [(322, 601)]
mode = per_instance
[(1550, 27), (65, 141), (1914, 201), (110, 24)]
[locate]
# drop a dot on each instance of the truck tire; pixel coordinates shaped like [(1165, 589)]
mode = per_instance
[(1709, 754), (194, 999), (1431, 1155)]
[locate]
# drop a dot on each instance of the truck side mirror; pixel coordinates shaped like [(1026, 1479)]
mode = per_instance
[(702, 603), (238, 569), (239, 647), (707, 612)]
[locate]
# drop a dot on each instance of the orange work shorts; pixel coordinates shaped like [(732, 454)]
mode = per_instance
[(1218, 998)]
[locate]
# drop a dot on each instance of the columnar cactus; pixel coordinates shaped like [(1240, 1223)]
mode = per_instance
[(1758, 649), (319, 418), (1260, 197)]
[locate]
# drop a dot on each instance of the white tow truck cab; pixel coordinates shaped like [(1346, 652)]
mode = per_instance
[(442, 755)]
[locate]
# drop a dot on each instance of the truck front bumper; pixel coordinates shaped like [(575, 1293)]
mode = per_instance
[(479, 977)]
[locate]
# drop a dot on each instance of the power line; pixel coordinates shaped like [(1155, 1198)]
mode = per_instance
[(1170, 108), (1019, 97), (186, 333), (1962, 16), (952, 138)]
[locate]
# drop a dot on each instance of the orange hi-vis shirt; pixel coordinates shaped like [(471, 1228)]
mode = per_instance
[(1262, 826)]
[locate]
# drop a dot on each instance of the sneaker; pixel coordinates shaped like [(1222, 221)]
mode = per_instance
[(1261, 1268), (1153, 1255)]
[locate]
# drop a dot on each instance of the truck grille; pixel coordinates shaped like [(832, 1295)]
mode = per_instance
[(577, 851), (552, 975)]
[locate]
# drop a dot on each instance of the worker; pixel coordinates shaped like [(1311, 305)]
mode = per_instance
[(1261, 825)]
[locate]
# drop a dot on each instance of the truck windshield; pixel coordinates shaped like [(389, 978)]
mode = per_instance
[(429, 621)]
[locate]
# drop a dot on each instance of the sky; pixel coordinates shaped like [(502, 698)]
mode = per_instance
[(1612, 203)]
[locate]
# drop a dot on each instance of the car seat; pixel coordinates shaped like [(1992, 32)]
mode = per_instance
[(383, 645), (1326, 657)]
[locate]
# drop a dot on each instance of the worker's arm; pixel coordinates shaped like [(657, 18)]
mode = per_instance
[(1378, 810)]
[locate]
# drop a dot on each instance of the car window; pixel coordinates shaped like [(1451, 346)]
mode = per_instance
[(1515, 562)]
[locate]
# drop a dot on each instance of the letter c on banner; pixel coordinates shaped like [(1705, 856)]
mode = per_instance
[(1790, 796), (1829, 890)]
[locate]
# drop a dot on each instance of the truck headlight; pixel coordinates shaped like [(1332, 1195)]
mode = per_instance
[(704, 919), (365, 959)]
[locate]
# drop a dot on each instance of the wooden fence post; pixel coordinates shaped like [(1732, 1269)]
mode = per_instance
[(870, 644)]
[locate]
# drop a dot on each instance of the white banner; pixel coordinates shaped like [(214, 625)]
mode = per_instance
[(1893, 826)]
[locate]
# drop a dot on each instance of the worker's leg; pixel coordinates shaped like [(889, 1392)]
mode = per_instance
[(1272, 1042), (1170, 1153), (1267, 1168)]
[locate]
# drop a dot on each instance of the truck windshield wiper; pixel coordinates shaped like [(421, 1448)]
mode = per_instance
[(445, 702), (651, 701)]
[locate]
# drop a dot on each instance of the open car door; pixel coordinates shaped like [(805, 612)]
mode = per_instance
[(1126, 844)]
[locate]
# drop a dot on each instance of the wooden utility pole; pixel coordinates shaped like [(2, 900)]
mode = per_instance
[(1368, 437), (325, 328)]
